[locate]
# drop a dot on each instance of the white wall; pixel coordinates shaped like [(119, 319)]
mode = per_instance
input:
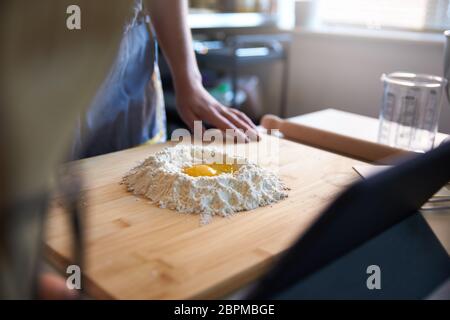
[(343, 71)]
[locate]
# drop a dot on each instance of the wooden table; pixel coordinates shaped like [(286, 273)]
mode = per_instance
[(366, 128), (346, 123), (138, 251), (135, 250)]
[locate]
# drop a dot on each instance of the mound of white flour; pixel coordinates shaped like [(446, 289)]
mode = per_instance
[(161, 179)]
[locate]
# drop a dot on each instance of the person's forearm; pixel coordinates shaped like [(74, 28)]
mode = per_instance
[(169, 19), (193, 102)]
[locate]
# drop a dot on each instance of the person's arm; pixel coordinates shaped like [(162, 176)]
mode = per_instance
[(169, 19)]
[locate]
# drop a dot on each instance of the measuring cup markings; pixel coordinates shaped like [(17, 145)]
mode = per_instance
[(387, 115), (410, 110), (430, 112), (407, 119)]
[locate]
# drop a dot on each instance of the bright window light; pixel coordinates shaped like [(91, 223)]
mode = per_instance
[(423, 15)]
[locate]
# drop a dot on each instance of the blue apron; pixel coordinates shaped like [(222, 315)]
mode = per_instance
[(128, 110)]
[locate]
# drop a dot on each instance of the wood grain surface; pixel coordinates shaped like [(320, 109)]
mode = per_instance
[(135, 250)]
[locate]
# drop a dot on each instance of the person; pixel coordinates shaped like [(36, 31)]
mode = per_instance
[(129, 109)]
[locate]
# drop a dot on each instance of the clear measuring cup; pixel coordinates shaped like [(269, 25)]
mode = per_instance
[(410, 110)]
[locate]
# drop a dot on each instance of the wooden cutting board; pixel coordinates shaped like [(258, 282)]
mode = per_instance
[(135, 250)]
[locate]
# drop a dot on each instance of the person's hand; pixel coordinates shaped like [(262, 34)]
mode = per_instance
[(194, 103), (53, 287)]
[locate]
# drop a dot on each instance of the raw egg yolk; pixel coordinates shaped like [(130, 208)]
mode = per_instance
[(209, 170)]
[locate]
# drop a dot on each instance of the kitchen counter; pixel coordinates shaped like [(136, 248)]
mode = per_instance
[(366, 128)]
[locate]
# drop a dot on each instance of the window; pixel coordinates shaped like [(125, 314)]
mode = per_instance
[(419, 15)]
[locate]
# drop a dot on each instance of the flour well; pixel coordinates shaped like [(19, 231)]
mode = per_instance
[(161, 179)]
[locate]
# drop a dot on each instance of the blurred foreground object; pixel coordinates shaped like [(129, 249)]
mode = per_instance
[(375, 221), (49, 74)]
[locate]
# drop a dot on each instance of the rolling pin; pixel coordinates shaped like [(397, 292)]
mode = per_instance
[(356, 148)]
